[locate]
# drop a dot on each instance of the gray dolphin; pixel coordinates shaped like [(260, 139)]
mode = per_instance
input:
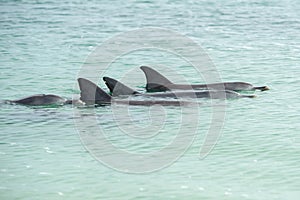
[(117, 88), (42, 100), (156, 82)]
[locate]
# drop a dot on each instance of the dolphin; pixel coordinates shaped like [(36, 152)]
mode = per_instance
[(91, 94), (41, 100), (117, 88), (156, 82)]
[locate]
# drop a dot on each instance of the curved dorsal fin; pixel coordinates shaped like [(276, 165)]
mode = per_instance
[(154, 79), (117, 88), (91, 94)]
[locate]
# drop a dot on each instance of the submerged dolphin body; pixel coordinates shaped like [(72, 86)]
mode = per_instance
[(156, 82), (91, 94), (118, 89)]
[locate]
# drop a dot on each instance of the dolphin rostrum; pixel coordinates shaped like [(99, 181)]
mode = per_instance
[(156, 82), (117, 88)]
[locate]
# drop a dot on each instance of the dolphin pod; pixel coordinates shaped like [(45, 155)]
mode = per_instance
[(156, 82), (117, 88), (90, 94)]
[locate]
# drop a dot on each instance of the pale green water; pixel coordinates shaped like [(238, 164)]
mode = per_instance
[(43, 45)]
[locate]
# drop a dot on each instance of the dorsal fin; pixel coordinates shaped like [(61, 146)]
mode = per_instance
[(154, 79), (117, 88), (91, 94)]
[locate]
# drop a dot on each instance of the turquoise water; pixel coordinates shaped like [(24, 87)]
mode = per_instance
[(43, 46)]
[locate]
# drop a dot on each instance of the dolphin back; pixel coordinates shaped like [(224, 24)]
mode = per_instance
[(41, 100)]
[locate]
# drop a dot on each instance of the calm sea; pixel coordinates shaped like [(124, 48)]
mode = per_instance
[(43, 46)]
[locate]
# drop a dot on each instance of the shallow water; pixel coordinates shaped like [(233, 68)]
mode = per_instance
[(43, 47)]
